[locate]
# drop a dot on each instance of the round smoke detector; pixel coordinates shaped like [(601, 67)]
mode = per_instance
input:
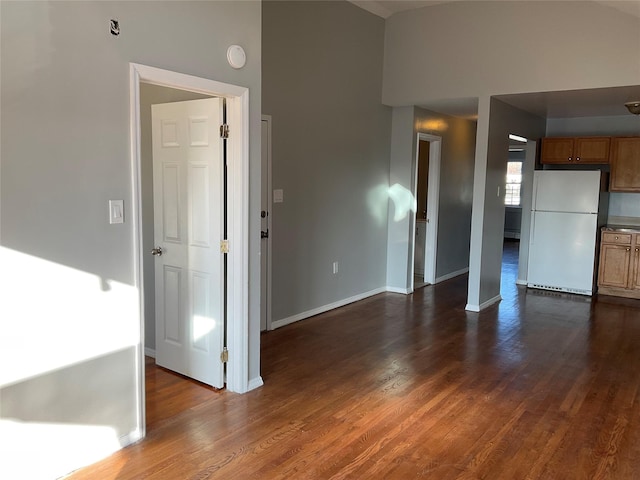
[(236, 56)]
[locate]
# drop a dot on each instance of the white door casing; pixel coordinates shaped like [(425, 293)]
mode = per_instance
[(237, 110), (188, 216), (265, 242), (237, 98)]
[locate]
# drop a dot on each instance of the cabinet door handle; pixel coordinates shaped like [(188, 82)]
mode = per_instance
[(629, 248), (569, 159), (617, 237), (577, 159)]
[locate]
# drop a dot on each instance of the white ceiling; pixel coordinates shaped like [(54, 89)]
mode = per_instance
[(600, 102)]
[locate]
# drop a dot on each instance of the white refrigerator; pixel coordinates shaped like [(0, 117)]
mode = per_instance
[(567, 211)]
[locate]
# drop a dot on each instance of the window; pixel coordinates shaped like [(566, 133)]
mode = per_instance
[(514, 182)]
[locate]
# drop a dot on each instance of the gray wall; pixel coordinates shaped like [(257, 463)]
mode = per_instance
[(401, 165), (322, 81), (65, 152), (618, 125), (456, 191), (496, 120), (623, 207), (470, 49), (151, 95)]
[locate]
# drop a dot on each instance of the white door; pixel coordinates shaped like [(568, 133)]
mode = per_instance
[(188, 220), (265, 225)]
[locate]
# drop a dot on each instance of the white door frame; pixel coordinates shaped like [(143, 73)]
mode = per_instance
[(267, 119), (433, 207), (528, 167), (238, 200)]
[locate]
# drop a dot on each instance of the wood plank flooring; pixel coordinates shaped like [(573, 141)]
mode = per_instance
[(539, 386)]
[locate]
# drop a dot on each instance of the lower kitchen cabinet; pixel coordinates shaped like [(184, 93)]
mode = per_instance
[(619, 270)]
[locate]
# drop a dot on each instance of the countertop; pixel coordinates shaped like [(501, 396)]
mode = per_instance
[(621, 228)]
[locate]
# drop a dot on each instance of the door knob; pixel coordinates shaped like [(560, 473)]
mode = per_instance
[(156, 252)]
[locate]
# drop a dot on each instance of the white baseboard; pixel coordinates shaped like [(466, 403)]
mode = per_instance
[(521, 282), (254, 383), (132, 437), (325, 308), (150, 352), (482, 306), (404, 291), (451, 275)]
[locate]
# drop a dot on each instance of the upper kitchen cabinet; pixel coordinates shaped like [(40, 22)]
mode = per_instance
[(625, 164), (575, 150)]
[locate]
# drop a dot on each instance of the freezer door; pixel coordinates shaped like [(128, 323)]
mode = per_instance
[(562, 251), (566, 191)]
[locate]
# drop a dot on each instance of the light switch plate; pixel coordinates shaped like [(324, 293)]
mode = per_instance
[(278, 196), (116, 211)]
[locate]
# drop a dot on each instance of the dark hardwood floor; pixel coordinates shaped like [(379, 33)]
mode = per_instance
[(539, 386)]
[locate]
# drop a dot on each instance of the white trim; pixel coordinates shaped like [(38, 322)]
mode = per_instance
[(149, 352), (482, 306), (526, 198), (268, 119), (238, 200), (131, 437), (521, 282), (238, 256), (325, 308), (255, 383), (136, 218), (403, 291), (433, 206), (451, 275)]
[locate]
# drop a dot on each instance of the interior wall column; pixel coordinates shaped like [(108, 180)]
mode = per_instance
[(478, 209)]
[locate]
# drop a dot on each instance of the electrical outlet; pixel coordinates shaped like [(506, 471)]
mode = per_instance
[(335, 267)]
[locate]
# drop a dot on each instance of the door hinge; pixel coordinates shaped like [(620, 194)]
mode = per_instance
[(224, 131), (224, 355), (224, 246)]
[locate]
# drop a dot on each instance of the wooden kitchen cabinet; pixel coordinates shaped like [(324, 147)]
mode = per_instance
[(619, 270), (575, 150), (625, 164)]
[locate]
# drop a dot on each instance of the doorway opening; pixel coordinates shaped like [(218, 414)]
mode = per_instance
[(426, 191), (517, 215), (237, 112)]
